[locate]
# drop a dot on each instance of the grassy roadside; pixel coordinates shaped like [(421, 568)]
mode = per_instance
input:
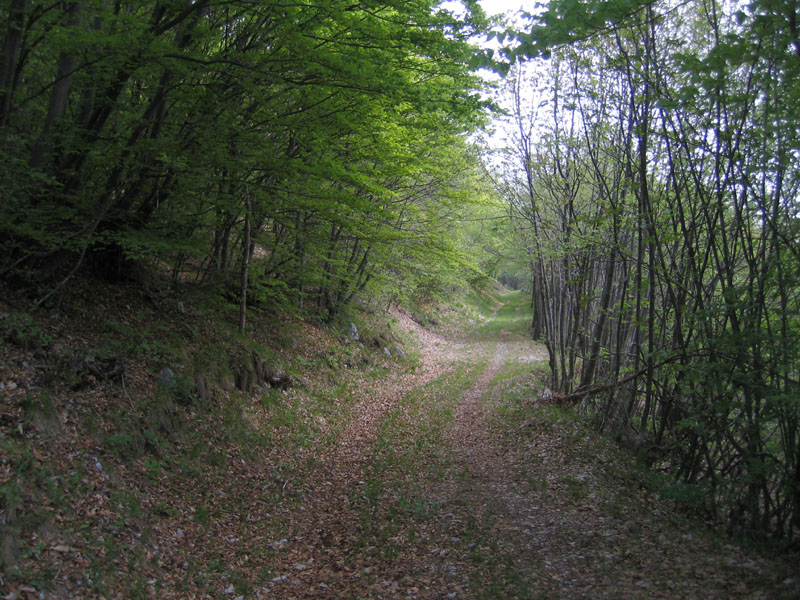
[(511, 315)]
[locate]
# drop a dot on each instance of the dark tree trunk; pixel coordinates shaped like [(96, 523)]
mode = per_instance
[(11, 53)]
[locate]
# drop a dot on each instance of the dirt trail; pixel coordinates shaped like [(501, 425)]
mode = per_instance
[(436, 479), (371, 408), (559, 523), (494, 512), (320, 553)]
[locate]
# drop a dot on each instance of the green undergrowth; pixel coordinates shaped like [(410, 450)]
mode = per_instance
[(460, 311), (510, 316), (483, 301)]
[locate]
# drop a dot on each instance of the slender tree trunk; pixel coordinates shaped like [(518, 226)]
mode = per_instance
[(48, 143), (590, 365), (11, 51), (245, 265)]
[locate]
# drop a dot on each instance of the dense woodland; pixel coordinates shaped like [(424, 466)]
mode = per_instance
[(653, 181), (303, 155), (325, 140)]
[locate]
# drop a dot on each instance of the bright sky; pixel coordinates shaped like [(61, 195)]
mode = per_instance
[(494, 7), (499, 136)]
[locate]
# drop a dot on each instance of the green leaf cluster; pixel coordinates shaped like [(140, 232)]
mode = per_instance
[(653, 179), (329, 134)]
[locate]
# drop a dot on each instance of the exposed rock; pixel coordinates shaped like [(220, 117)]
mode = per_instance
[(261, 369), (354, 332), (226, 382), (245, 379), (258, 372), (280, 380), (202, 387), (99, 467), (9, 548), (166, 377)]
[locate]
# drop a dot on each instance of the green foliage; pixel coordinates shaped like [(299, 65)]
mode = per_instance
[(23, 330), (332, 135), (652, 185), (692, 496), (141, 337), (566, 22)]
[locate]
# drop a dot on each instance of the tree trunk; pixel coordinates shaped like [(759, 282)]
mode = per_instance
[(59, 96), (591, 365), (245, 266), (11, 48)]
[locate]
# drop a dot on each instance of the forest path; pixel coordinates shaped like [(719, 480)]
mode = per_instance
[(450, 483)]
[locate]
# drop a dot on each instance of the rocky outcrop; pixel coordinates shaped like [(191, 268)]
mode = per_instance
[(256, 371)]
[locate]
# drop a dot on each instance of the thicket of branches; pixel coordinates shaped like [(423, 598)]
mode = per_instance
[(291, 153), (654, 180)]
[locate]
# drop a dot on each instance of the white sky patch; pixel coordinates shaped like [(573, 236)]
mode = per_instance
[(499, 7), (500, 132), (491, 7)]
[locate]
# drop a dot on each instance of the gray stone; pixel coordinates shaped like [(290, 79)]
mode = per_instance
[(202, 387), (166, 377), (246, 379), (99, 468), (354, 332)]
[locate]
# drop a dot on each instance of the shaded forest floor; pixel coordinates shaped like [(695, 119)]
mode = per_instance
[(464, 488), (432, 475)]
